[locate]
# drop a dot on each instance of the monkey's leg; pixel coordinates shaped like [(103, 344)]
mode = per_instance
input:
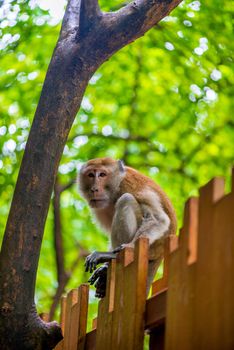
[(127, 219), (152, 269)]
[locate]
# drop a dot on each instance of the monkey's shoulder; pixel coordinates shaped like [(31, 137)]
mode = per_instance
[(139, 184), (147, 192)]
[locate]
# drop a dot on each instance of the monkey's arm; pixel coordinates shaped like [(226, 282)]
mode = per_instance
[(99, 257)]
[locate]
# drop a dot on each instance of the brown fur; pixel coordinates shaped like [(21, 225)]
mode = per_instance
[(135, 182)]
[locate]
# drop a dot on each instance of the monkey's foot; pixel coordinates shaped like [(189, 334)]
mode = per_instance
[(99, 278), (126, 245)]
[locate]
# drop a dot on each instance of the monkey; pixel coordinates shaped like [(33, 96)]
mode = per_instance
[(128, 205)]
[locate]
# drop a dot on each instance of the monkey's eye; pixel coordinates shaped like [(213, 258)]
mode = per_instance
[(102, 174), (90, 175)]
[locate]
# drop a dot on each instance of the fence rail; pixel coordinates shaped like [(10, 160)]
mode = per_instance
[(192, 305)]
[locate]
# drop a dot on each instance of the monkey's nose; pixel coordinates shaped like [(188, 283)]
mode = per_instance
[(94, 189)]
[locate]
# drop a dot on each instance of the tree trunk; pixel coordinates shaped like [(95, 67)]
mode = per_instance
[(88, 38)]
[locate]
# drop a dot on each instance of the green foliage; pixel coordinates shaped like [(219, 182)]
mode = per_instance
[(163, 104)]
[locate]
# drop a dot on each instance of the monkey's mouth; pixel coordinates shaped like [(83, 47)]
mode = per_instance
[(98, 203)]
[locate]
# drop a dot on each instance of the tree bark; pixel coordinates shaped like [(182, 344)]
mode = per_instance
[(88, 37)]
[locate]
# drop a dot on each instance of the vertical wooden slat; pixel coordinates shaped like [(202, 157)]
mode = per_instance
[(126, 301), (72, 298), (141, 268), (104, 320), (215, 306), (83, 303), (124, 258), (205, 274), (180, 300), (63, 304), (222, 325), (128, 321), (193, 231), (172, 296), (232, 183), (79, 314)]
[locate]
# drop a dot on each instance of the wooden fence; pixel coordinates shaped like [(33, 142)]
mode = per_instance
[(192, 305)]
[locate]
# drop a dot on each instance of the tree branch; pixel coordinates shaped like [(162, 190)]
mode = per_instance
[(137, 17), (77, 12), (68, 185)]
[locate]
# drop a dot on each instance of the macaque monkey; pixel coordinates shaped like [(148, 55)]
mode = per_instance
[(128, 205)]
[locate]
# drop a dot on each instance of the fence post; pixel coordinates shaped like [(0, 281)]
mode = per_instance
[(180, 297), (72, 298), (130, 298), (105, 312), (79, 314)]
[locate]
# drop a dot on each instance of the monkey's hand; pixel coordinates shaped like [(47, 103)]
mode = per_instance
[(98, 278), (96, 258)]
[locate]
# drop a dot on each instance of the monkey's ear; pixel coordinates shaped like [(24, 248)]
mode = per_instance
[(81, 168), (121, 166)]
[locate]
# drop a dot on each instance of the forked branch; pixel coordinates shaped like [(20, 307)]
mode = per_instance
[(78, 11), (112, 30)]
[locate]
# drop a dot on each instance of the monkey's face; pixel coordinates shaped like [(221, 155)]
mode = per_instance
[(96, 186), (99, 184)]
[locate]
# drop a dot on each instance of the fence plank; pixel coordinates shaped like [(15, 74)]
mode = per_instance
[(130, 295), (63, 304), (205, 274), (124, 258), (133, 299), (104, 320), (180, 302), (141, 268), (72, 298), (222, 325), (79, 314)]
